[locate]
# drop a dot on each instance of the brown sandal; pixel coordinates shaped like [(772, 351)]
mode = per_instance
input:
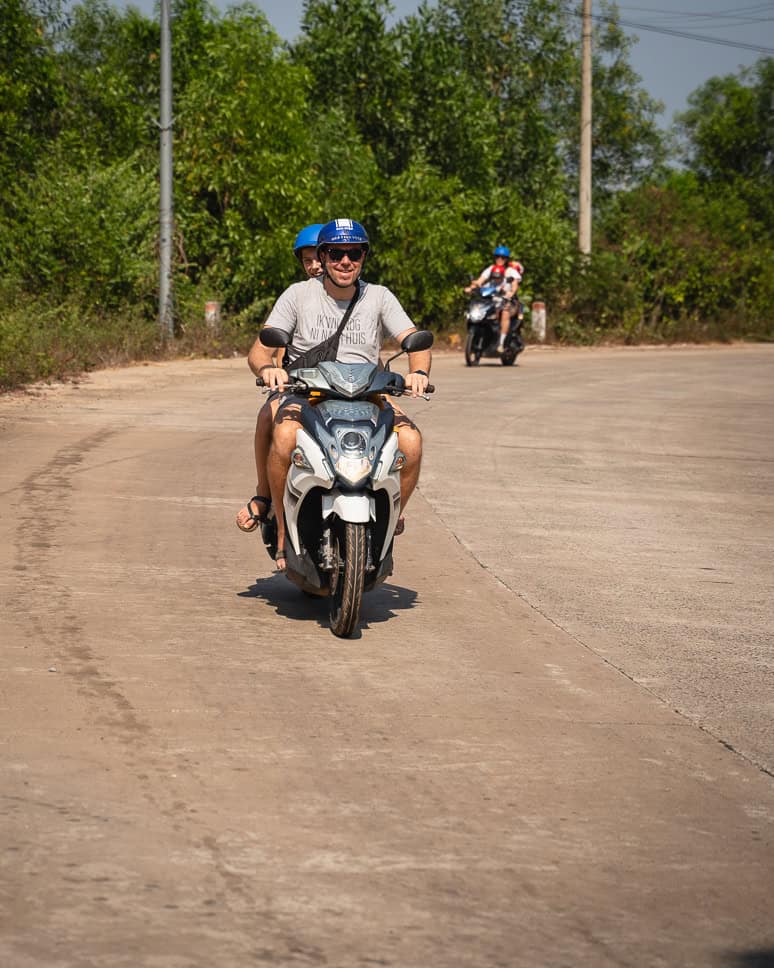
[(255, 519)]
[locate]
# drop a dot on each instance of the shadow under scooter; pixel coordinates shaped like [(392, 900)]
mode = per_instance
[(381, 604)]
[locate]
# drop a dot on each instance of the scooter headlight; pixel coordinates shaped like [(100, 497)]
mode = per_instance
[(353, 469), (353, 462), (353, 443), (477, 313)]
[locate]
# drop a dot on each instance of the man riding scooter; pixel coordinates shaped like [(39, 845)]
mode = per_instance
[(510, 285)]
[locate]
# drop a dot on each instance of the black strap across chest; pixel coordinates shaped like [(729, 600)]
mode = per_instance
[(328, 349)]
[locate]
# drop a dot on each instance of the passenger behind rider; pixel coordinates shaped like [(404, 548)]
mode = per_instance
[(311, 311), (518, 308), (257, 508), (510, 286)]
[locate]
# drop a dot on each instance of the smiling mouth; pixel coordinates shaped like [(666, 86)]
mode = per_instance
[(343, 277)]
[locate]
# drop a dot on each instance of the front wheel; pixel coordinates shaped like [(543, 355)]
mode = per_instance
[(348, 579), (471, 356)]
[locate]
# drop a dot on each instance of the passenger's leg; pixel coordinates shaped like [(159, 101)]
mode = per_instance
[(262, 442), (286, 425), (263, 430)]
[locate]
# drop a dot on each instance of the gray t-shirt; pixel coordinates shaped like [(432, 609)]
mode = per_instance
[(307, 313)]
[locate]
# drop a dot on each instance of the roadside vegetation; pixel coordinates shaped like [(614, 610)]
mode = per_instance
[(445, 133)]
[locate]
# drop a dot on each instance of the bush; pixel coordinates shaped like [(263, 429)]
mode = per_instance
[(84, 234), (675, 261), (41, 341)]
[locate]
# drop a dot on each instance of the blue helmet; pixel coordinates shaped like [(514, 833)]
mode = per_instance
[(502, 250), (342, 231), (307, 236)]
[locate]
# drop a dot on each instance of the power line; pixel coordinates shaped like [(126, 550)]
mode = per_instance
[(601, 18), (714, 14), (739, 17)]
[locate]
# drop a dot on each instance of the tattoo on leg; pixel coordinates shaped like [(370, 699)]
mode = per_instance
[(401, 420), (290, 411)]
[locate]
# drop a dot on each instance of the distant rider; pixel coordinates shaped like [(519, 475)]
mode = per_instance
[(518, 309), (510, 285)]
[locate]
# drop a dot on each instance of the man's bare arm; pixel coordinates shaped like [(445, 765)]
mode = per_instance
[(422, 360)]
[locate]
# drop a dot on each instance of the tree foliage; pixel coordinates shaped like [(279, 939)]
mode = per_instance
[(691, 254), (30, 87), (728, 136), (108, 65)]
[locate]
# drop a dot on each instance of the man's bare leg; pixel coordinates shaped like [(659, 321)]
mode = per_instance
[(505, 325), (410, 442)]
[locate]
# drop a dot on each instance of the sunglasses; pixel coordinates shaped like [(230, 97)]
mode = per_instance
[(355, 254)]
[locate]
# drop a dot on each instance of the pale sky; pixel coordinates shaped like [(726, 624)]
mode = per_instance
[(670, 66)]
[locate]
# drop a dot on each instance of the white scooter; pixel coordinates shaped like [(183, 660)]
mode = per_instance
[(342, 497)]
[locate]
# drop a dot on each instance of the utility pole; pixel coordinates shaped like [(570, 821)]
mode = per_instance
[(166, 215), (584, 199)]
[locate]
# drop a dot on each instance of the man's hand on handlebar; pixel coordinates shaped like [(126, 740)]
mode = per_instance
[(274, 377), (417, 383)]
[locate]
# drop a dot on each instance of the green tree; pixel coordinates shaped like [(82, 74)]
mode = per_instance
[(511, 59), (628, 147), (353, 67), (460, 94), (424, 233), (30, 92), (674, 261), (448, 115), (85, 233), (245, 164), (728, 137), (109, 65)]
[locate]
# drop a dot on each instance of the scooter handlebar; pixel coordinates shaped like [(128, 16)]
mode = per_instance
[(288, 388), (300, 387), (430, 388)]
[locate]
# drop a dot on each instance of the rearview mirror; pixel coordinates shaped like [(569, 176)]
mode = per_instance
[(273, 337), (415, 342)]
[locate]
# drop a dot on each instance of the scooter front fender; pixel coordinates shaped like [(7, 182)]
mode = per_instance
[(357, 508)]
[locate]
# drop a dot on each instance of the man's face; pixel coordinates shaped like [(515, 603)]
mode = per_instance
[(499, 260), (343, 263), (310, 262)]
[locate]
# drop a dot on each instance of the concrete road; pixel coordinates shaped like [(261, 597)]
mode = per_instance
[(551, 745)]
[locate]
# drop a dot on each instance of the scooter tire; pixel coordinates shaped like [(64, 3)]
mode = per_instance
[(471, 356), (347, 587)]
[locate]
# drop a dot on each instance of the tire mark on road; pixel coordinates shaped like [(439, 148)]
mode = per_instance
[(43, 601), (45, 605)]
